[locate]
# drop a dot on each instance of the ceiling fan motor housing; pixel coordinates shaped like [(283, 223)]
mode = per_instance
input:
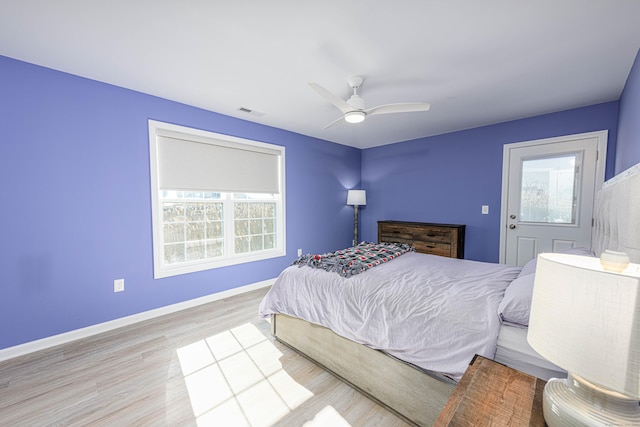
[(356, 102)]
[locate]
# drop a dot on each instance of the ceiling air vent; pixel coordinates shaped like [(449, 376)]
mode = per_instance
[(250, 111)]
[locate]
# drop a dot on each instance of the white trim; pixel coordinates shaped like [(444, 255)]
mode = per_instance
[(601, 164), (67, 337)]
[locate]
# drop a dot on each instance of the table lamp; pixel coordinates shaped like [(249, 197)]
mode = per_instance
[(356, 198), (586, 319)]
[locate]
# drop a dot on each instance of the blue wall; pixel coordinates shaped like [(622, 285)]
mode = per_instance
[(76, 208), (628, 153), (447, 178)]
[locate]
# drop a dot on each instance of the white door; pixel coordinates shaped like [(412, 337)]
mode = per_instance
[(548, 188)]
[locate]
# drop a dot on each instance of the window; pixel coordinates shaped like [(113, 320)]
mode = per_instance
[(549, 189), (217, 200)]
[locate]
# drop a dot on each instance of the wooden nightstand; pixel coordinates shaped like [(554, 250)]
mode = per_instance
[(492, 394)]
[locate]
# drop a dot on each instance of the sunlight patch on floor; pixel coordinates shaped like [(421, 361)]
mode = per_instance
[(236, 378), (328, 416)]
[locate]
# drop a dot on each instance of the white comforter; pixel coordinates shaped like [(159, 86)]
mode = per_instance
[(431, 311)]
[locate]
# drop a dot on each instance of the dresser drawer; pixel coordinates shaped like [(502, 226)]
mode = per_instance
[(433, 234), (429, 238), (395, 233), (442, 249)]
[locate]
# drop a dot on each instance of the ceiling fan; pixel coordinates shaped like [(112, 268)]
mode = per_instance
[(353, 109)]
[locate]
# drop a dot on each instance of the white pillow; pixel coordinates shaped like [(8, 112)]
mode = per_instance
[(516, 303), (529, 267)]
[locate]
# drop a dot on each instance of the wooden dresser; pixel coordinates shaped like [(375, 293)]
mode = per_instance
[(435, 239)]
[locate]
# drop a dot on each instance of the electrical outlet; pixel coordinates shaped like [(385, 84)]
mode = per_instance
[(299, 252), (118, 285)]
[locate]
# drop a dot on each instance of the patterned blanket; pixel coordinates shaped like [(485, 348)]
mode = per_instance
[(356, 259)]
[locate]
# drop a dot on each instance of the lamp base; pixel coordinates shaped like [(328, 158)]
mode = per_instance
[(355, 225), (577, 402)]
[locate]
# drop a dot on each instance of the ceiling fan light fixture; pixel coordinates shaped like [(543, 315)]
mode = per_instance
[(354, 111), (354, 117)]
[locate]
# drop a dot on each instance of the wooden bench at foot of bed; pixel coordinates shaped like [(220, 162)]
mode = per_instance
[(401, 387)]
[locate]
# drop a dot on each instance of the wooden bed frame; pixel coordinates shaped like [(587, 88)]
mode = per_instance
[(401, 387), (405, 389)]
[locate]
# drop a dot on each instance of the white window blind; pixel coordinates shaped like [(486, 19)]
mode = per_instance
[(217, 200), (213, 165)]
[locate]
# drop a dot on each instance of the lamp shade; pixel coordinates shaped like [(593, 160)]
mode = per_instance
[(587, 320), (357, 197)]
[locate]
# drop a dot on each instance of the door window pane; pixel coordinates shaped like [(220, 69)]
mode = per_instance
[(549, 190)]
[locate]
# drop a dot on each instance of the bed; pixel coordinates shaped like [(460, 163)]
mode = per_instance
[(412, 381)]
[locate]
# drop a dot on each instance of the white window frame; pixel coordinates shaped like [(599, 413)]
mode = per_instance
[(160, 269)]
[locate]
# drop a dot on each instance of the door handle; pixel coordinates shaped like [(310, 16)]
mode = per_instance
[(512, 216), (512, 226)]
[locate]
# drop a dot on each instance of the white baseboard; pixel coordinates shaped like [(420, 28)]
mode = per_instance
[(44, 343)]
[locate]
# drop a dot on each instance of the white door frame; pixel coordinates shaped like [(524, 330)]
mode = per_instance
[(601, 137)]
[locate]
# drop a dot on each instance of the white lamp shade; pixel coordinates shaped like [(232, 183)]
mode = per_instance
[(587, 320), (357, 197)]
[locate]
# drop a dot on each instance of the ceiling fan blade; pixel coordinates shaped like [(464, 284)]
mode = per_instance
[(336, 122), (334, 99), (399, 108)]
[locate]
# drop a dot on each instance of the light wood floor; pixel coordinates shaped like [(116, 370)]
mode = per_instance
[(215, 364)]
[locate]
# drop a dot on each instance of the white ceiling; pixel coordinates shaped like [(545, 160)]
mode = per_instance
[(476, 62)]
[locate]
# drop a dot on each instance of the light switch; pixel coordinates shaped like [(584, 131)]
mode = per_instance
[(485, 209), (118, 285)]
